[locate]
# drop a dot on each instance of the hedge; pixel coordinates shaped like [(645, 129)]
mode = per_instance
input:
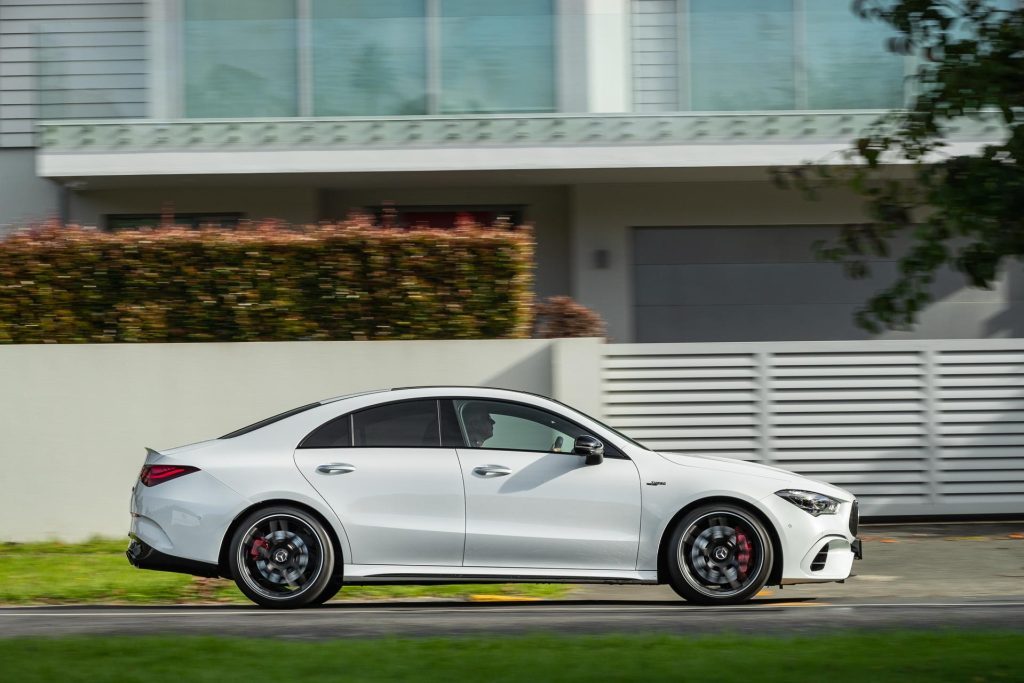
[(267, 282)]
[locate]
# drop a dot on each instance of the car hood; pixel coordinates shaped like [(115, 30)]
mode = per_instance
[(785, 478)]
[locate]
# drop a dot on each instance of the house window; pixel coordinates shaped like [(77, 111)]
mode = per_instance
[(134, 221), (444, 217), (367, 58), (757, 55), (240, 58)]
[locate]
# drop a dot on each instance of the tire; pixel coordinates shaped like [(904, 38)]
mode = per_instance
[(331, 589), (282, 557), (719, 554)]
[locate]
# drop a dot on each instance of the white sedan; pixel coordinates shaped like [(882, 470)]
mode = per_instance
[(466, 484)]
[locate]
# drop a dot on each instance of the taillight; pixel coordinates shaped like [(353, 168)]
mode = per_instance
[(152, 475)]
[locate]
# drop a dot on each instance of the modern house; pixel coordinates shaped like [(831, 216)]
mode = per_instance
[(636, 135)]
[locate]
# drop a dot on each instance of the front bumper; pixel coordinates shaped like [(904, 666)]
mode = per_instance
[(815, 549)]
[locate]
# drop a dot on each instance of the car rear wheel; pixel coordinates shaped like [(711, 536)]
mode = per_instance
[(719, 555), (282, 557)]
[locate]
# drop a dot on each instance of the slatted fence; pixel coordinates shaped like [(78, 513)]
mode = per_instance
[(911, 427)]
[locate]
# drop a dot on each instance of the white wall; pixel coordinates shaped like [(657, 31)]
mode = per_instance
[(75, 419), (24, 198)]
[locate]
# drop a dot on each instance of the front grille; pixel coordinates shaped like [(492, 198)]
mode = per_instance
[(854, 518), (818, 563)]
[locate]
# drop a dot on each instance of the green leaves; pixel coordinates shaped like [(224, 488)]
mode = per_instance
[(265, 282), (962, 211)]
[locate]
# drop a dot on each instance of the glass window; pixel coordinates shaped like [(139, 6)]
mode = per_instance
[(513, 426), (240, 58), (334, 434), (846, 62), (741, 55), (369, 58), (270, 420), (410, 424), (134, 221), (497, 56)]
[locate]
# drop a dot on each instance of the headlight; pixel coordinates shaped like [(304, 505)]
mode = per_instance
[(808, 501)]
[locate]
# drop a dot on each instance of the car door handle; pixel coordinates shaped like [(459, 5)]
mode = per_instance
[(492, 470), (335, 468)]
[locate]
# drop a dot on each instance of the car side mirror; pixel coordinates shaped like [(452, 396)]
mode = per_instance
[(591, 448)]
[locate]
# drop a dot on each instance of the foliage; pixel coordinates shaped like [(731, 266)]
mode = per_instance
[(965, 211), (560, 316), (550, 657), (265, 282)]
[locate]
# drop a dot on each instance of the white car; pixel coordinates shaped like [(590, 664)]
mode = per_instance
[(470, 485)]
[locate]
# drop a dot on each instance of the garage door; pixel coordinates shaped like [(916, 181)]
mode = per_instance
[(764, 284)]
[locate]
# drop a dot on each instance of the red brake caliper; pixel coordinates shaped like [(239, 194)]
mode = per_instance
[(257, 545), (743, 549)]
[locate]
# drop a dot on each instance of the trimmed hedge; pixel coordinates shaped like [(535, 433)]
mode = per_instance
[(266, 282)]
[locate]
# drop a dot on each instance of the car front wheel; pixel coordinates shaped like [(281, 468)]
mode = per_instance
[(282, 557), (719, 555)]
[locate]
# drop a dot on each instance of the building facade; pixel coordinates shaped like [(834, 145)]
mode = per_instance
[(637, 137)]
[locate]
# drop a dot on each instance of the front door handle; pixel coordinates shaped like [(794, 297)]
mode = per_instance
[(492, 470), (335, 468)]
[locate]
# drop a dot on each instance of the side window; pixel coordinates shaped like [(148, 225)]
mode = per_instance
[(410, 424), (512, 426), (333, 434)]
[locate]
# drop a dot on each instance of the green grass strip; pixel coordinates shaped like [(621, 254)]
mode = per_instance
[(97, 572), (857, 657)]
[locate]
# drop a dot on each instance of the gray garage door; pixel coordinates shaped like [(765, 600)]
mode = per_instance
[(764, 284)]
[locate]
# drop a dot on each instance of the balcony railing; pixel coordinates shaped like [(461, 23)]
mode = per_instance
[(469, 131)]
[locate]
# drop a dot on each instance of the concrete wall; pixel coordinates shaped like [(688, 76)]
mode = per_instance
[(75, 419), (23, 196)]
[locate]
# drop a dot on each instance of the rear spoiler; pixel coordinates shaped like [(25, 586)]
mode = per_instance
[(152, 455)]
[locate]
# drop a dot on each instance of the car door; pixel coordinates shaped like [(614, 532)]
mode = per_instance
[(398, 493), (530, 502)]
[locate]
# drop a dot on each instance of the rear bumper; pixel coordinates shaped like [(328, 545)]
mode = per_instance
[(144, 556)]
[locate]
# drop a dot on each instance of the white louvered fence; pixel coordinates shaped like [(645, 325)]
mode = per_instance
[(911, 427)]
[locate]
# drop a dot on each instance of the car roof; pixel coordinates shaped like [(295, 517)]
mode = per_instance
[(441, 389)]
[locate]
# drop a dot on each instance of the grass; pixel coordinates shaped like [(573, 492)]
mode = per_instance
[(857, 657), (97, 572)]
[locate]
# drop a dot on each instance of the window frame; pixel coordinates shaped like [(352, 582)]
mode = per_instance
[(350, 416), (611, 450)]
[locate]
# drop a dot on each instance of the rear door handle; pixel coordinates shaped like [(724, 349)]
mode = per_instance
[(492, 470), (335, 468)]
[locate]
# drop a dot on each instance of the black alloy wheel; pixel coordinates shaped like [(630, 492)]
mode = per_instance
[(719, 555), (283, 557)]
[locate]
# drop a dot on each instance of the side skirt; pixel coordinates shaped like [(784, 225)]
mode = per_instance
[(356, 575)]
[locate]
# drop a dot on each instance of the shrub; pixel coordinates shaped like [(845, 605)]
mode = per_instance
[(560, 316), (265, 282)]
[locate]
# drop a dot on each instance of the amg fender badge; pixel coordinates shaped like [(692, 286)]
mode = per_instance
[(655, 483)]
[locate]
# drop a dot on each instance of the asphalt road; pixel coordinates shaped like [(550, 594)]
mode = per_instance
[(340, 620), (967, 576)]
